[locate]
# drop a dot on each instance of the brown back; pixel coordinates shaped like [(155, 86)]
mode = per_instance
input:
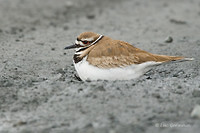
[(108, 53)]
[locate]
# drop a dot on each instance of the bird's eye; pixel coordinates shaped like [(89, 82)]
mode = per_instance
[(85, 42)]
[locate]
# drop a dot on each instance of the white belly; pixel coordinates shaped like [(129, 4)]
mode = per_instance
[(87, 71)]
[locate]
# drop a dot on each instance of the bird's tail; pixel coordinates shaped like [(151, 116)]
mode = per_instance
[(165, 58), (183, 59)]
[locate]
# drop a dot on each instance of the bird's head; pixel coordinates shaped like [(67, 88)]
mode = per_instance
[(85, 40)]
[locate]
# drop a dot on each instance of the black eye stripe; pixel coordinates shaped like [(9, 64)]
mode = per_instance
[(85, 41)]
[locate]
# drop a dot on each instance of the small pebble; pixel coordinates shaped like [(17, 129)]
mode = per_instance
[(169, 39), (33, 28), (178, 91), (20, 123), (196, 112), (176, 21), (156, 95), (179, 87), (90, 16)]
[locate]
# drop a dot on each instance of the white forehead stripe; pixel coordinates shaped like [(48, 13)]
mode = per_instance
[(88, 39), (77, 42)]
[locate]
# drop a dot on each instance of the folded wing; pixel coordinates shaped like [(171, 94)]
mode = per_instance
[(121, 54)]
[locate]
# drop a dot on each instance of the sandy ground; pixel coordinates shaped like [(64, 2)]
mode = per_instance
[(38, 91)]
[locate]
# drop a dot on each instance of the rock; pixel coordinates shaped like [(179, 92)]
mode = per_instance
[(90, 16), (178, 91), (176, 21), (53, 49), (156, 95), (179, 87), (169, 39), (20, 123), (33, 28), (196, 112)]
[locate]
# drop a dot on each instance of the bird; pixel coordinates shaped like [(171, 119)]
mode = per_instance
[(99, 57)]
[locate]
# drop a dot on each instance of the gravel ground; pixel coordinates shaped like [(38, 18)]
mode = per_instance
[(38, 90)]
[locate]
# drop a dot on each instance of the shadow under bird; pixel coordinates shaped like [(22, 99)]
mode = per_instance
[(99, 57)]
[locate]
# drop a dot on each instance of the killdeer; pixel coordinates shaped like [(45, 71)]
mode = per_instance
[(99, 57)]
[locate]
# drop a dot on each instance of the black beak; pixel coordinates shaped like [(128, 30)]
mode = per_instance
[(71, 46)]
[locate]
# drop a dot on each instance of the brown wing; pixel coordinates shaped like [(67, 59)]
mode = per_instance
[(113, 53)]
